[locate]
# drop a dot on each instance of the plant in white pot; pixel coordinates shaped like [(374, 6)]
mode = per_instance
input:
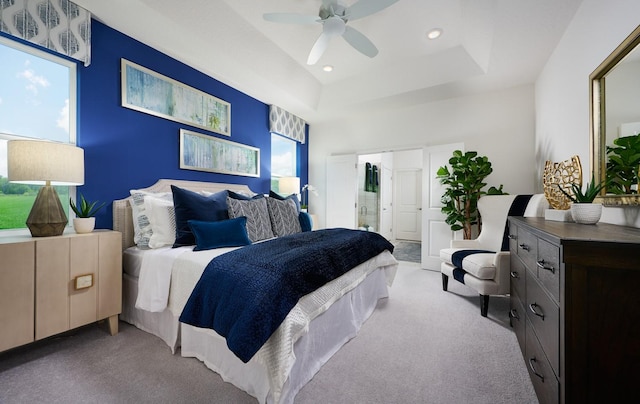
[(85, 211), (583, 210)]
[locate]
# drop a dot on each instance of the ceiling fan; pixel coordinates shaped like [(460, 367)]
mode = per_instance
[(334, 17)]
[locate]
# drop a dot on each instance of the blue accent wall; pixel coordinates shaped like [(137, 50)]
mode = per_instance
[(127, 149)]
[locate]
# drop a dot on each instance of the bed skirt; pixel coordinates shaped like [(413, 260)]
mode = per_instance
[(326, 334)]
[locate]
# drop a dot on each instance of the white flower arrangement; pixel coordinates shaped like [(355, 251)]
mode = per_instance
[(305, 197)]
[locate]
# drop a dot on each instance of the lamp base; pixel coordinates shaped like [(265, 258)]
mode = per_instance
[(47, 218)]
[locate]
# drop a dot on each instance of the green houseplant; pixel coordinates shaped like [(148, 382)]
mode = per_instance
[(623, 165), (85, 211), (583, 210), (464, 186)]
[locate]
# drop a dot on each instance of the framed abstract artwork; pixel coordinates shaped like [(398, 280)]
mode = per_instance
[(146, 91), (208, 153)]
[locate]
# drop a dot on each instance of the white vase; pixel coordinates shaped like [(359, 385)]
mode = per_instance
[(84, 224), (586, 213)]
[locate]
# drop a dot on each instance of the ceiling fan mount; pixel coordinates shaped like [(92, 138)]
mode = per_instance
[(334, 17)]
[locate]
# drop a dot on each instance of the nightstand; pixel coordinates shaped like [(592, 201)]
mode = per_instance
[(49, 285)]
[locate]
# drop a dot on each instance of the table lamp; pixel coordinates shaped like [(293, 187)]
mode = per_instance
[(289, 185), (45, 163)]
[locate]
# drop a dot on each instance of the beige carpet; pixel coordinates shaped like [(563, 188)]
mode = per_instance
[(422, 345)]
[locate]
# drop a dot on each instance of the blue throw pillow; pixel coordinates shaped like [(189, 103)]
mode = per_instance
[(224, 233), (306, 223), (191, 205), (294, 197)]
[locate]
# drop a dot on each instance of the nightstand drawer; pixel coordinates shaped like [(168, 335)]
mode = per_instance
[(542, 375), (544, 315)]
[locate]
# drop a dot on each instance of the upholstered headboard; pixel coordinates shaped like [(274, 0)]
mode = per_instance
[(122, 212)]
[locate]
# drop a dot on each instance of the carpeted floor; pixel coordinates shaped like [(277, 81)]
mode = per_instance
[(422, 345), (409, 251)]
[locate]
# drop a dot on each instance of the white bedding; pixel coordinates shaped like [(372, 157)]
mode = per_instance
[(168, 275)]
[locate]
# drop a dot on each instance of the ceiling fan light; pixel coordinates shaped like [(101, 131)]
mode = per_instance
[(333, 26)]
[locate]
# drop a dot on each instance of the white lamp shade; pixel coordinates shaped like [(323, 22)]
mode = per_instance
[(289, 185), (36, 162)]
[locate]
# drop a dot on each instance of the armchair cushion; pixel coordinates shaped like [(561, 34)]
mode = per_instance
[(480, 264)]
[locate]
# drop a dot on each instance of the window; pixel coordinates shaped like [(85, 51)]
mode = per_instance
[(37, 101), (283, 159)]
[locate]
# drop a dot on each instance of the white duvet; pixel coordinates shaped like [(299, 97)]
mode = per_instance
[(168, 275)]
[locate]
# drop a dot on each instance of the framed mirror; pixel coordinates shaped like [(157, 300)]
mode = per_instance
[(615, 113)]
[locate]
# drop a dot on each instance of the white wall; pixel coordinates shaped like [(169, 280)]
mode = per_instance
[(562, 89), (499, 125)]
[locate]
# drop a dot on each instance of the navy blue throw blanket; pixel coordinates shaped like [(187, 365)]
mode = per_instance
[(456, 260), (245, 294)]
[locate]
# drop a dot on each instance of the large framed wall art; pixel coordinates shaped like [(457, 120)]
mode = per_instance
[(207, 153), (152, 93)]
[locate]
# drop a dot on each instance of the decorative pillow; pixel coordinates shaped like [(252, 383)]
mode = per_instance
[(242, 196), (257, 214), (142, 230), (293, 197), (284, 216), (306, 222), (163, 221), (224, 233), (191, 205)]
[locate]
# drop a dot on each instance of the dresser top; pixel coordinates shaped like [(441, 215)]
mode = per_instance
[(600, 232)]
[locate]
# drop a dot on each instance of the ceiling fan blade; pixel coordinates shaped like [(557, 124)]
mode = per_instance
[(360, 42), (327, 3), (318, 48), (364, 8), (291, 18)]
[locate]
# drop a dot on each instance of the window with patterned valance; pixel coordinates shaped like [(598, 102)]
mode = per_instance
[(58, 25), (286, 124)]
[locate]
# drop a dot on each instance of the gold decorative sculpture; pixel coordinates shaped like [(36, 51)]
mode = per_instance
[(564, 174)]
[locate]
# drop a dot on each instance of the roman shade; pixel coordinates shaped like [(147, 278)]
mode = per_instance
[(286, 124)]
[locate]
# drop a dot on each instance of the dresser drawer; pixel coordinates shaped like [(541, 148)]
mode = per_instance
[(548, 264), (527, 248), (517, 318), (513, 238), (544, 315), (540, 370), (517, 276)]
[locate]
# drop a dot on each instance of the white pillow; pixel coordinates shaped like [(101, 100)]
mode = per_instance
[(142, 230), (162, 216)]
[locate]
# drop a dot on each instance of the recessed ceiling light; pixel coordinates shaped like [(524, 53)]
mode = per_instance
[(434, 33), (327, 68)]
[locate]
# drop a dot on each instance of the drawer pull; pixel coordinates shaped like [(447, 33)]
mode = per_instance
[(514, 275), (547, 267), (513, 313), (533, 368), (534, 309), (524, 247), (512, 237)]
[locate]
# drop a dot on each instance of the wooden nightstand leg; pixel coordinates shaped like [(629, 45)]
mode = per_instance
[(113, 324)]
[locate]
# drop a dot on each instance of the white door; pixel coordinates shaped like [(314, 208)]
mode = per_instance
[(436, 233), (408, 206), (342, 191), (386, 207)]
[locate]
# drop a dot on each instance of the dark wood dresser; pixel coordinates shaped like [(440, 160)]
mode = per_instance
[(575, 308)]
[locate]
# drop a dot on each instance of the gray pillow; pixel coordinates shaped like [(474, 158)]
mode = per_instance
[(257, 214), (284, 216)]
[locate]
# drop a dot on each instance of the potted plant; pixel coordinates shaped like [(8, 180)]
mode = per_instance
[(85, 211), (464, 184), (583, 210)]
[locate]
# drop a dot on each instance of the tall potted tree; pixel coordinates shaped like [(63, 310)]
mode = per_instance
[(464, 185)]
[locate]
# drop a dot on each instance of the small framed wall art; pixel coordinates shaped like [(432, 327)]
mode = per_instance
[(208, 153), (146, 91)]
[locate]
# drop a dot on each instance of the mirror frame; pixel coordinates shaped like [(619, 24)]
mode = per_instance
[(598, 119)]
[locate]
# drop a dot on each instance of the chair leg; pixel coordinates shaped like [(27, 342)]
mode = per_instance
[(484, 305), (445, 282)]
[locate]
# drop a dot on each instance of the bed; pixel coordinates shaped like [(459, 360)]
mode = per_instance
[(315, 329)]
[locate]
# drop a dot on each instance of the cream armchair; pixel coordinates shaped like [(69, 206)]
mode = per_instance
[(483, 264)]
